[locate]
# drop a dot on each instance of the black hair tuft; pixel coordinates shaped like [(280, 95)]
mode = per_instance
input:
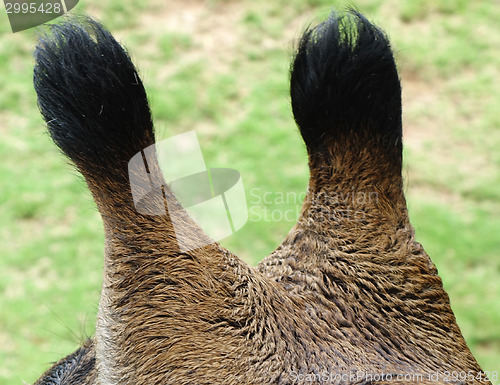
[(344, 81), (90, 95)]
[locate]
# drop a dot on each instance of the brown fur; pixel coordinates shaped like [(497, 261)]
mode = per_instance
[(348, 290)]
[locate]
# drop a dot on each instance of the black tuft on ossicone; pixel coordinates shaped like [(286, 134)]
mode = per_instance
[(90, 95), (344, 81)]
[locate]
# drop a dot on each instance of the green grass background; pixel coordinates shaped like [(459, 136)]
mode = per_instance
[(221, 68)]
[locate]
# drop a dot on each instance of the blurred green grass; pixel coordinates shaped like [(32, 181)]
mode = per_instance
[(221, 68)]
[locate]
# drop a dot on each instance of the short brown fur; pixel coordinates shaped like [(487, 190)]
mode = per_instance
[(349, 289)]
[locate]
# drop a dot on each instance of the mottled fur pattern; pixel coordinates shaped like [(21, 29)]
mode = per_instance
[(349, 289)]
